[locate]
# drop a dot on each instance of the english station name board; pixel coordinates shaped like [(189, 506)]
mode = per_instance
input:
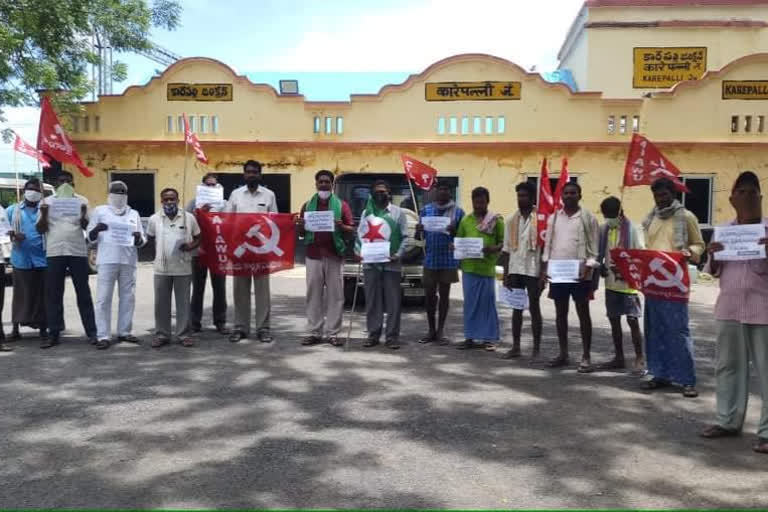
[(199, 92), (472, 91), (745, 89)]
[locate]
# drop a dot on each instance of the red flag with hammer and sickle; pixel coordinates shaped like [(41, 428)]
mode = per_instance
[(52, 140), (191, 139), (658, 274), (21, 146), (245, 244), (419, 172), (645, 164)]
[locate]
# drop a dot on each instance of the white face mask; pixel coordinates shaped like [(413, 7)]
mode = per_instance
[(323, 194), (118, 201), (33, 196)]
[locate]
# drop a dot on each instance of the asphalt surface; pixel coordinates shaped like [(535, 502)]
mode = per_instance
[(281, 425)]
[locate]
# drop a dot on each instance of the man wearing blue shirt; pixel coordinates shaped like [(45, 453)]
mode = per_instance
[(29, 264), (440, 269)]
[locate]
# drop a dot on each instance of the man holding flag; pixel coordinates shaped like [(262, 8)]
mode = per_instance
[(669, 346)]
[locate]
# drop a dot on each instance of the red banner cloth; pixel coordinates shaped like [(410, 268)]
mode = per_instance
[(52, 140), (245, 244), (419, 172), (191, 139), (658, 274), (546, 204), (645, 164), (561, 182), (21, 146)]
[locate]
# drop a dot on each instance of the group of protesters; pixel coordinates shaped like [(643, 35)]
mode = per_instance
[(46, 247)]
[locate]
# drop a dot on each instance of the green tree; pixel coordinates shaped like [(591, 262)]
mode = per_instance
[(48, 44)]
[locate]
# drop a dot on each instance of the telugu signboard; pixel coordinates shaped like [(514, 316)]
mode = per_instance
[(745, 89), (472, 91), (656, 68), (199, 92)]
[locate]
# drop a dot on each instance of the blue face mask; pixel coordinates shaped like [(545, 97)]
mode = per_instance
[(170, 209)]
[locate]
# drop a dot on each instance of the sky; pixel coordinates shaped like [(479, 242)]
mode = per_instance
[(338, 47)]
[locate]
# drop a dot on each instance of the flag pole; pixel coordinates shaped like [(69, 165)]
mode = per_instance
[(184, 186), (16, 172)]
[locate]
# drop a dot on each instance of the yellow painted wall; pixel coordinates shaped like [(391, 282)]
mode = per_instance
[(548, 121), (608, 66)]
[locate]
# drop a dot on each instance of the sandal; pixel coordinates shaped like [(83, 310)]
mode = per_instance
[(558, 362), (690, 392), (392, 344), (429, 338), (5, 348), (187, 342), (716, 431), (159, 342), (128, 338), (102, 344), (489, 347), (336, 342), (443, 341), (236, 336), (613, 364), (466, 345), (512, 353), (654, 383), (311, 340), (585, 367), (370, 342), (761, 446)]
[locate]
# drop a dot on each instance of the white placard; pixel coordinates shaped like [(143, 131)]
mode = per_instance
[(438, 224), (60, 207), (741, 242), (213, 196), (467, 248), (120, 233), (375, 252), (516, 298), (564, 271), (320, 222), (5, 227)]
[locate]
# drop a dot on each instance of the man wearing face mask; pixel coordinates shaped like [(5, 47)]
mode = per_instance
[(116, 260), (29, 264), (382, 221), (66, 250), (200, 275), (251, 198), (325, 258), (668, 342), (176, 233)]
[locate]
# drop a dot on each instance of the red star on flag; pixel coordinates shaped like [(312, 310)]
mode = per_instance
[(374, 232)]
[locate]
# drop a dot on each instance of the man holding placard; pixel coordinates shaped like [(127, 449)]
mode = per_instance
[(29, 263), (569, 259), (741, 312), (116, 229), (522, 266), (176, 234), (324, 222), (63, 217), (668, 342), (478, 242), (381, 241), (438, 224), (209, 198)]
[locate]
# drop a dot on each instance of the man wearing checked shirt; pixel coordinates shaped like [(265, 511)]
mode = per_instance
[(440, 269)]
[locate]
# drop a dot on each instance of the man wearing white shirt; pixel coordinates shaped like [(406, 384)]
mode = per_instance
[(176, 235), (200, 275), (251, 198), (66, 249), (116, 263)]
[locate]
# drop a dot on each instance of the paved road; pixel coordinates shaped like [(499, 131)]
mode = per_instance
[(281, 425)]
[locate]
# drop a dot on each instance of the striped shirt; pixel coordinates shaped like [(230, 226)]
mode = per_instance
[(743, 290)]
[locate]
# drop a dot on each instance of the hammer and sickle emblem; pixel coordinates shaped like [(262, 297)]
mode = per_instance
[(671, 280), (267, 244)]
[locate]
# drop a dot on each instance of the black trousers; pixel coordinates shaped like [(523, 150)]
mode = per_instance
[(55, 279), (219, 285)]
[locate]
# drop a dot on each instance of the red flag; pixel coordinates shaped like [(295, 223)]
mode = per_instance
[(245, 244), (52, 140), (191, 139), (561, 182), (645, 164), (658, 274), (22, 147), (546, 203), (419, 172)]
